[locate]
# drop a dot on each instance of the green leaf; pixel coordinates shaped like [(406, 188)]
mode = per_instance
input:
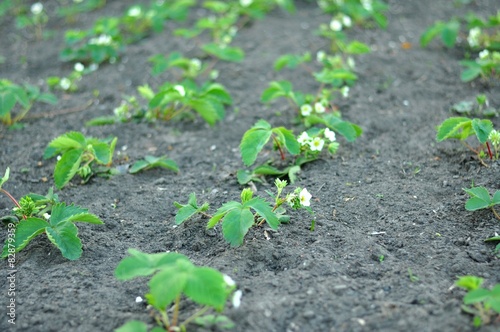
[(67, 167), (61, 213), (253, 141), (219, 92), (469, 282), (235, 226), (206, 286), (357, 47), (276, 89), (86, 217), (226, 53), (101, 152), (495, 200), (138, 166), (5, 177), (264, 210), (454, 127), (480, 199), (473, 70), (26, 230), (70, 140), (205, 109), (291, 61), (477, 295), (289, 140), (450, 32), (133, 326), (140, 264), (187, 211), (7, 102), (169, 283), (432, 32), (221, 322), (482, 128), (65, 237)]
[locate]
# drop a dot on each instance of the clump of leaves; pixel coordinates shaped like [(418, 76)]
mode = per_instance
[(174, 101), (238, 217), (361, 12), (40, 214), (12, 94), (175, 277), (306, 148), (36, 18), (483, 39), (480, 199), (79, 155), (480, 106), (462, 127), (481, 302), (150, 162), (109, 35)]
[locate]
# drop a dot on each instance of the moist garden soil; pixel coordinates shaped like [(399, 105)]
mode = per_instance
[(387, 207)]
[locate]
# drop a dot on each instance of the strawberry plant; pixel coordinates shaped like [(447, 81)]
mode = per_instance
[(12, 94), (79, 155), (238, 217), (174, 276), (480, 199), (462, 128), (153, 162), (481, 302), (46, 215)]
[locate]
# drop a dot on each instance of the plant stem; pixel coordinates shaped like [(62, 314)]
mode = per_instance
[(175, 316), (489, 150), (495, 213), (195, 315), (11, 197), (280, 149)]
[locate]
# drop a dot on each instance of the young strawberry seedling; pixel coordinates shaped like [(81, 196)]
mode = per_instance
[(480, 199), (461, 128), (39, 214), (175, 277), (483, 303), (79, 155), (12, 94), (237, 217), (150, 162)]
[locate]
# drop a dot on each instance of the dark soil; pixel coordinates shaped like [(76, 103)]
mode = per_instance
[(395, 193)]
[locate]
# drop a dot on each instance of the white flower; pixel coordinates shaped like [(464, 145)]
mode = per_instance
[(473, 38), (93, 66), (346, 21), (316, 144), (138, 299), (79, 67), (320, 56), (36, 8), (196, 63), (304, 138), (329, 134), (484, 54), (237, 298), (494, 137), (305, 110), (245, 3), (228, 280), (46, 216), (335, 25), (65, 83), (305, 197), (344, 91), (134, 11), (351, 63), (319, 108), (180, 89), (367, 4), (101, 40), (214, 74)]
